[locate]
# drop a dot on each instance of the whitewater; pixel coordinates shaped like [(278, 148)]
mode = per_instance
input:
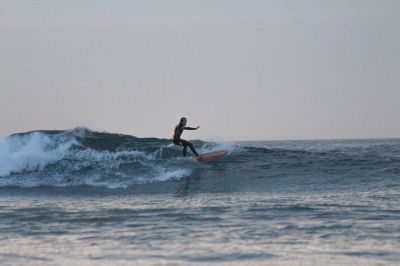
[(81, 196)]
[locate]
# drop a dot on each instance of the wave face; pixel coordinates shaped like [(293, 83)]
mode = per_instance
[(83, 157)]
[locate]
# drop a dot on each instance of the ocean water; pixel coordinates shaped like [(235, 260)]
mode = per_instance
[(80, 197)]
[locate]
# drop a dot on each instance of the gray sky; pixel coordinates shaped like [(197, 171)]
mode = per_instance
[(242, 70)]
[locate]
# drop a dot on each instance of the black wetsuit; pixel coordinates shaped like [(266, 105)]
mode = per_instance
[(178, 141)]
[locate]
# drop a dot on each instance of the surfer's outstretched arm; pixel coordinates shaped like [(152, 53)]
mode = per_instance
[(191, 128)]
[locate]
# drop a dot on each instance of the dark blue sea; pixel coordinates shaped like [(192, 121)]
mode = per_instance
[(80, 197)]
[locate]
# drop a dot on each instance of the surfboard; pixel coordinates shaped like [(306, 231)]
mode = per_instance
[(211, 156)]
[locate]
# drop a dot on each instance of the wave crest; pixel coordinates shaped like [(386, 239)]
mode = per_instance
[(84, 157)]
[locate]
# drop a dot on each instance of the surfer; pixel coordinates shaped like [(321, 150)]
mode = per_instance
[(181, 142)]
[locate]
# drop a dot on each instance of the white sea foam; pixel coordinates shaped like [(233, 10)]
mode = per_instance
[(176, 174), (215, 146), (38, 158), (30, 152)]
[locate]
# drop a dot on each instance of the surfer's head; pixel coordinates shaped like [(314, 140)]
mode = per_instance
[(183, 121)]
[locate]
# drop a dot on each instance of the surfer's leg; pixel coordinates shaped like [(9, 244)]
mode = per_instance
[(184, 144), (187, 143), (184, 150), (193, 149)]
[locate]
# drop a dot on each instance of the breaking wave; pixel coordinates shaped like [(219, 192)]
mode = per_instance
[(81, 157), (84, 157)]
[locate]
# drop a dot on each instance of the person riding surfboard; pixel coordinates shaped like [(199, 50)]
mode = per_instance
[(181, 142)]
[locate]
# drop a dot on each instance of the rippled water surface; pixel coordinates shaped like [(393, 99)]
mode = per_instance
[(260, 228)]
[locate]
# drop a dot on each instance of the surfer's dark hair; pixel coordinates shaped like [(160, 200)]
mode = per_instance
[(181, 121)]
